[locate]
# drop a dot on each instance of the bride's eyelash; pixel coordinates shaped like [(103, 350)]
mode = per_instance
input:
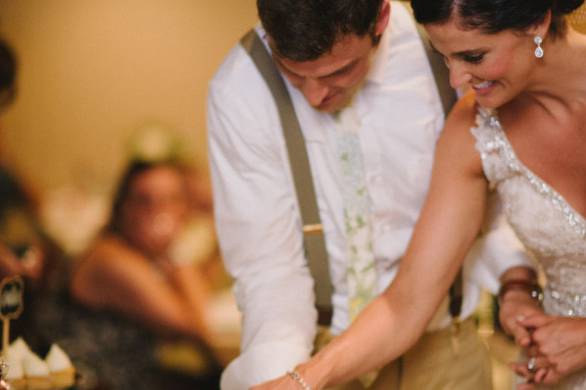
[(475, 58)]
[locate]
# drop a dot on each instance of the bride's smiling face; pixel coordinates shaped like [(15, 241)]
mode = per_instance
[(497, 66)]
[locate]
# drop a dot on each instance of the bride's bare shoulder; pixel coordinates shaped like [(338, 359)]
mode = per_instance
[(463, 115), (457, 142)]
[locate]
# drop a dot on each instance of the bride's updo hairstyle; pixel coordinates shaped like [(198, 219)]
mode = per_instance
[(493, 16)]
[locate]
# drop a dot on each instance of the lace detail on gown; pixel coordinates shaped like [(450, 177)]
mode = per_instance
[(543, 220)]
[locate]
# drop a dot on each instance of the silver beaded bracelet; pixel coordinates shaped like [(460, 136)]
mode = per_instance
[(297, 378)]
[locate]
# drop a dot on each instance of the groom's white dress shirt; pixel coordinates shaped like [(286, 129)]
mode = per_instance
[(257, 213)]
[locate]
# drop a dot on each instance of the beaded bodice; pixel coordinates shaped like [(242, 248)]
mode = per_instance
[(543, 220)]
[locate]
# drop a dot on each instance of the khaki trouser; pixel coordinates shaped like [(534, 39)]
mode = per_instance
[(441, 360)]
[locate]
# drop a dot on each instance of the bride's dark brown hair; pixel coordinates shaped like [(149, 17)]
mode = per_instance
[(492, 16)]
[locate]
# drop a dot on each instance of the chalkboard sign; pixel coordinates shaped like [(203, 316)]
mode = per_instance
[(11, 290)]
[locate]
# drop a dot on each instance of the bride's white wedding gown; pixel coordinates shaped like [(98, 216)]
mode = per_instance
[(543, 220)]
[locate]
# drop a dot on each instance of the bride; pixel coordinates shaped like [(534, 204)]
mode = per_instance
[(522, 131)]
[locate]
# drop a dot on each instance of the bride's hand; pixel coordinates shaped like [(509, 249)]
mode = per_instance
[(533, 370), (561, 341), (308, 374), (281, 383), (547, 374)]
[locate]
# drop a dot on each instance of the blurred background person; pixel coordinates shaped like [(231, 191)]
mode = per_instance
[(138, 284), (21, 249), (137, 256), (25, 249), (66, 135)]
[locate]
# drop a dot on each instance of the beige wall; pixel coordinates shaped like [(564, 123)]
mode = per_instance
[(92, 71)]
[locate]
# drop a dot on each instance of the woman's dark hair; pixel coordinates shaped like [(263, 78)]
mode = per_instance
[(304, 30), (134, 170), (7, 74), (492, 16)]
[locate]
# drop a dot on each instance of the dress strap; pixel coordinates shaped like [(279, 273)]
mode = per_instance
[(492, 146)]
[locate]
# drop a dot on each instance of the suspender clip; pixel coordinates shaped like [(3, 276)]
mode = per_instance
[(316, 228)]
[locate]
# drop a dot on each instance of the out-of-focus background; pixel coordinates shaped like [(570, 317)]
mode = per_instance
[(99, 84), (92, 72)]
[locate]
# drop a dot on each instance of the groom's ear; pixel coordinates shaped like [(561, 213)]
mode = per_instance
[(383, 18)]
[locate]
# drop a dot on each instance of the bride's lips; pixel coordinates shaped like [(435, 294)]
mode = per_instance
[(484, 87)]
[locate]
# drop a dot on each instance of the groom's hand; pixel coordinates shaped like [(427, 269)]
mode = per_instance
[(514, 307)]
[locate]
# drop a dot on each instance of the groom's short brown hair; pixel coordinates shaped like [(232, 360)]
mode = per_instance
[(304, 30)]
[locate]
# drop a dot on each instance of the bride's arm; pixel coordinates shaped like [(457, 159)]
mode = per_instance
[(448, 224)]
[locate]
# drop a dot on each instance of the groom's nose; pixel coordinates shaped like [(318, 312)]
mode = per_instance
[(314, 91)]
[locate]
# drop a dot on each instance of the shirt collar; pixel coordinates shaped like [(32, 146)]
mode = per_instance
[(376, 74)]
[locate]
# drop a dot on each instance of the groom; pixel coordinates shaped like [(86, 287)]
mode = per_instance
[(369, 110)]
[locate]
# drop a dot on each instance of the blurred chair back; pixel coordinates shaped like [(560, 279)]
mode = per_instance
[(578, 19)]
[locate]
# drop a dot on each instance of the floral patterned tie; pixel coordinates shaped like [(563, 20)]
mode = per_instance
[(361, 270)]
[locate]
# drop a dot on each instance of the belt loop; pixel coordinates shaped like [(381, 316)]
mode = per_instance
[(400, 371), (455, 329), (456, 325)]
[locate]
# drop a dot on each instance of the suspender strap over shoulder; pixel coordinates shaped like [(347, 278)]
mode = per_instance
[(314, 242), (441, 74)]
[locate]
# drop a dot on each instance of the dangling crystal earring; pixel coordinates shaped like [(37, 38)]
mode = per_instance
[(538, 50)]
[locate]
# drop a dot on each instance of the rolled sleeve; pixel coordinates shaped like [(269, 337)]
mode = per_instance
[(260, 237)]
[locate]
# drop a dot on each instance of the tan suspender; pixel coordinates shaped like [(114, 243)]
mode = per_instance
[(314, 241), (441, 74), (313, 238)]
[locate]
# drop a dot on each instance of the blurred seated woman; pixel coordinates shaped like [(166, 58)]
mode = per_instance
[(133, 287), (133, 269), (21, 247)]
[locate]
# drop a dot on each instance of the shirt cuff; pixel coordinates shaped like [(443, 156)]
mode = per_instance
[(499, 250), (262, 363)]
